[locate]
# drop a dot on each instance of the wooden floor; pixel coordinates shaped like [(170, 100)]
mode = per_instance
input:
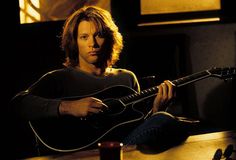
[(196, 147)]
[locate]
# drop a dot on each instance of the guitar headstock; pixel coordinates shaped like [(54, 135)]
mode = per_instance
[(226, 73)]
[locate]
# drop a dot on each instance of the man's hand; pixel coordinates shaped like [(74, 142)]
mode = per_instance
[(82, 107), (164, 95)]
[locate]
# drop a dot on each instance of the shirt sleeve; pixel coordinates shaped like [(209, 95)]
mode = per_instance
[(35, 102)]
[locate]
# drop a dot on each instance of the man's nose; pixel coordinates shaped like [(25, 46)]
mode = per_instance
[(93, 42)]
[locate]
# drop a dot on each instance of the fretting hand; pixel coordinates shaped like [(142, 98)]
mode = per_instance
[(164, 95)]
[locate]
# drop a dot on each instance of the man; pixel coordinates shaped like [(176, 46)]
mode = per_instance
[(92, 44)]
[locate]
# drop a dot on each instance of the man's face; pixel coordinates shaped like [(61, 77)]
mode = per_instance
[(89, 42)]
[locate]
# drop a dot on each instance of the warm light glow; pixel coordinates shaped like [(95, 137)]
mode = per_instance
[(180, 21), (53, 10), (29, 12), (35, 3), (33, 13), (22, 3), (212, 136), (177, 6)]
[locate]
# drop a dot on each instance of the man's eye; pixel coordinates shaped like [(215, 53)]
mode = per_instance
[(100, 35), (84, 37)]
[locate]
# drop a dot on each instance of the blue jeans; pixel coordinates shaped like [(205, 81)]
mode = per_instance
[(160, 129)]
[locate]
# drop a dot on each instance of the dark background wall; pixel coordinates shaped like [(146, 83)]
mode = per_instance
[(182, 50), (168, 52)]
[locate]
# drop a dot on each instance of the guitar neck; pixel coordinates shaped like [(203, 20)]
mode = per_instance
[(144, 94), (191, 78)]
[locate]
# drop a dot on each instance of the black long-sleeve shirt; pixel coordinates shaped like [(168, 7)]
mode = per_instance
[(43, 98)]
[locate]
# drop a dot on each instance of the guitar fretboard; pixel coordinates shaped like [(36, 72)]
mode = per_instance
[(132, 98)]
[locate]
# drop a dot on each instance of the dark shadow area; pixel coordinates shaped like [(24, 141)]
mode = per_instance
[(219, 108)]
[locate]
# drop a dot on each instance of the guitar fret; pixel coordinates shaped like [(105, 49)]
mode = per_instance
[(137, 96)]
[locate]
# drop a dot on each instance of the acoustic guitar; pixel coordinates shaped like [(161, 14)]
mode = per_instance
[(67, 134)]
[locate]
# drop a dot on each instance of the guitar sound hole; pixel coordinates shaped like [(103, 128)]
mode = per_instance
[(113, 111), (115, 107)]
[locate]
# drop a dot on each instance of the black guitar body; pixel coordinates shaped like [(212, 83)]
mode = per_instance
[(69, 133)]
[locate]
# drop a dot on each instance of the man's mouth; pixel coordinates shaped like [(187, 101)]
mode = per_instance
[(94, 53)]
